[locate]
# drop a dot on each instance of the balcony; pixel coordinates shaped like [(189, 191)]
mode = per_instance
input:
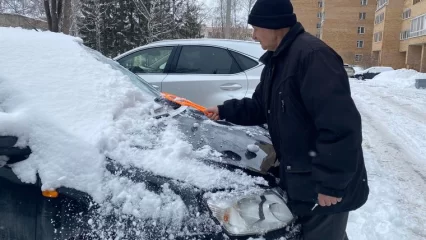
[(418, 33)]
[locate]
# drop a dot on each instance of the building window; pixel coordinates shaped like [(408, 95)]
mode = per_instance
[(320, 4), (406, 14), (364, 2), (404, 35), (379, 18), (360, 43), (418, 26), (416, 1), (318, 25), (378, 36), (381, 4), (361, 30), (358, 57), (319, 14), (362, 15), (318, 35)]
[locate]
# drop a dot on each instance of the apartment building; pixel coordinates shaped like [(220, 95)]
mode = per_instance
[(386, 37), (345, 25), (413, 34), (308, 12)]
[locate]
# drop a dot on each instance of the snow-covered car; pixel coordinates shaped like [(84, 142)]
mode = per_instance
[(370, 73), (89, 150), (205, 71), (349, 70)]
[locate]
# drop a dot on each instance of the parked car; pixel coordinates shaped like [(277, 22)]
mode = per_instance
[(88, 150), (370, 73), (205, 71), (349, 70)]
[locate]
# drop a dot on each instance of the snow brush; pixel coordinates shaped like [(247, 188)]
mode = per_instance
[(184, 102)]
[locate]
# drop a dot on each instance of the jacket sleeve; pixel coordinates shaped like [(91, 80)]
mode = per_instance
[(246, 111), (325, 91)]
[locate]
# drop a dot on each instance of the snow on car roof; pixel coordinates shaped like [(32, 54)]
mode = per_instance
[(73, 107), (375, 70)]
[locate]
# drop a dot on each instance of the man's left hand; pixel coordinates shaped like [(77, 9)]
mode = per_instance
[(324, 200)]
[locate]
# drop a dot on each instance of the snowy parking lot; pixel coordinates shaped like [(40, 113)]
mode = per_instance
[(394, 132)]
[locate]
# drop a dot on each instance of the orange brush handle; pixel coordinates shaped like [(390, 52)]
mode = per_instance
[(184, 102)]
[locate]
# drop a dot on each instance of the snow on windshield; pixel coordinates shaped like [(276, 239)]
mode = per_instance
[(73, 108)]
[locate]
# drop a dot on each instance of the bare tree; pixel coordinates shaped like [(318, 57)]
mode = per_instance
[(53, 10), (152, 12), (234, 12), (29, 8), (66, 22), (247, 6)]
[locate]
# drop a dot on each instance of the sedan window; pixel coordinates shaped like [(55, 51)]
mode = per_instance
[(151, 60), (206, 60), (244, 62)]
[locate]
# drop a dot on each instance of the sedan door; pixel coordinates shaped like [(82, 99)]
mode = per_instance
[(151, 64), (205, 75)]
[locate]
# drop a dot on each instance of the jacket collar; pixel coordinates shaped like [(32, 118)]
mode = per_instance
[(288, 39)]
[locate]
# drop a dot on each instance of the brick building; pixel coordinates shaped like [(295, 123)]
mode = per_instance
[(413, 34), (369, 32), (386, 38), (345, 25)]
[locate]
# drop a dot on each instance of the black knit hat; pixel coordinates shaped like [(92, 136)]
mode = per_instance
[(272, 14)]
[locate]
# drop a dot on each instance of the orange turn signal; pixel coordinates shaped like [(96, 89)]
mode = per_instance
[(50, 194), (226, 217), (183, 102)]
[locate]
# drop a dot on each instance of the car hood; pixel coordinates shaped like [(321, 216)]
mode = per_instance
[(245, 147)]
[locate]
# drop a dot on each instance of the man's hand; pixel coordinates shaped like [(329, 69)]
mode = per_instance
[(324, 200), (213, 113)]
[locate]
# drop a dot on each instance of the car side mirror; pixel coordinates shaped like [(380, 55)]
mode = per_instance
[(10, 154)]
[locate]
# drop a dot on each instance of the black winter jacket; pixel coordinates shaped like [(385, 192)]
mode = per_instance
[(304, 97)]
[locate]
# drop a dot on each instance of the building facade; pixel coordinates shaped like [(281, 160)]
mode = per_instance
[(386, 37), (369, 32), (413, 34), (345, 25)]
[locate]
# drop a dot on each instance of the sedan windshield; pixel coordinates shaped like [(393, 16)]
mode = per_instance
[(138, 81)]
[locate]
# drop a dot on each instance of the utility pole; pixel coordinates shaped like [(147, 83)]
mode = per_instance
[(228, 19)]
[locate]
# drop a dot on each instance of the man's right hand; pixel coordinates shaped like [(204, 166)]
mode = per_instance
[(213, 113)]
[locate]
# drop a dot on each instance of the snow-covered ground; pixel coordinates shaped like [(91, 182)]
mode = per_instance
[(394, 130)]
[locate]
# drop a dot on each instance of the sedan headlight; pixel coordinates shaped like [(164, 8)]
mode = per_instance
[(257, 214)]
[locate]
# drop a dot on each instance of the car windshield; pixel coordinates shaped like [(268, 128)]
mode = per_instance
[(138, 81)]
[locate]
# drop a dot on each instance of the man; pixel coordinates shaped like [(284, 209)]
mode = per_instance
[(304, 97)]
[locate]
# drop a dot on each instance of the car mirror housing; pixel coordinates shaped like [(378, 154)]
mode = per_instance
[(10, 154)]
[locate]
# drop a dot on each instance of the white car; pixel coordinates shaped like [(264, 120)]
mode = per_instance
[(370, 73), (205, 71)]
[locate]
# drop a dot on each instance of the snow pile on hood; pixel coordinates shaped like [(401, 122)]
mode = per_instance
[(73, 107), (401, 78)]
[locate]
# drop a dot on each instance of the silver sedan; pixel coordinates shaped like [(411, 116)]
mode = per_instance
[(205, 71)]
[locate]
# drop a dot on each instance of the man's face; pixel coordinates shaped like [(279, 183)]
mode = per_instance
[(266, 37)]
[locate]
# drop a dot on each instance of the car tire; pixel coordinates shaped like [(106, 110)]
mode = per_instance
[(360, 78)]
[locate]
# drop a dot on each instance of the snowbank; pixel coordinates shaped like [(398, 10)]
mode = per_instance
[(401, 78), (73, 107)]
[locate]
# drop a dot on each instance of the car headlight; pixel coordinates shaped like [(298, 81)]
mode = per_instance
[(250, 215)]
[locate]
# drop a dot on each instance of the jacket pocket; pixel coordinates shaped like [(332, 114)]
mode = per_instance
[(300, 187)]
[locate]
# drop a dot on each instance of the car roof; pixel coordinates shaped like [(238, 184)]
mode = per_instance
[(250, 48)]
